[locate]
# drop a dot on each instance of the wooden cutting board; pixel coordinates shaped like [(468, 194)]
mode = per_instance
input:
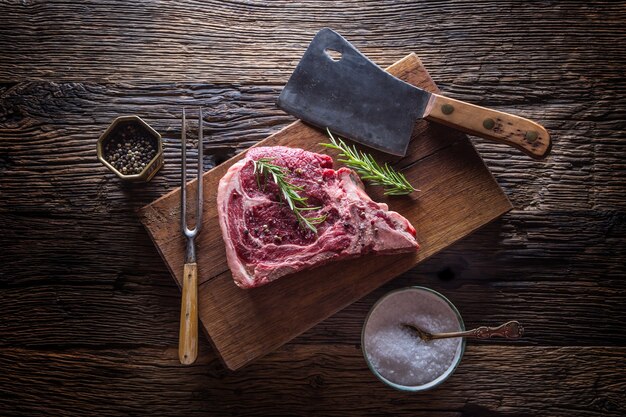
[(458, 195)]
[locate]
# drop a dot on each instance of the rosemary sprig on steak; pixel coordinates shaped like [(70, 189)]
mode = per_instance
[(369, 170), (289, 192)]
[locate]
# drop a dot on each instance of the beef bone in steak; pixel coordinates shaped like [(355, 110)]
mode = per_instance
[(263, 238)]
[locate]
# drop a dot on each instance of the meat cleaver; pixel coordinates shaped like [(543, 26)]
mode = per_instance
[(336, 86)]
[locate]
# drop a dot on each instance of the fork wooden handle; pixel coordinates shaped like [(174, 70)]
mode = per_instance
[(188, 337), (523, 134)]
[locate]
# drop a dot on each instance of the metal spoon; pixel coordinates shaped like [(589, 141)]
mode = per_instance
[(508, 330)]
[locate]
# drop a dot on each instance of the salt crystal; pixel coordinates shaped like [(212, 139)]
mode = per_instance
[(397, 353)]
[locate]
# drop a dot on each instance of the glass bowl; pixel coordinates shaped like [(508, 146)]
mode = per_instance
[(438, 302)]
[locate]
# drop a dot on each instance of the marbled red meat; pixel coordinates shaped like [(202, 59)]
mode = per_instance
[(263, 238)]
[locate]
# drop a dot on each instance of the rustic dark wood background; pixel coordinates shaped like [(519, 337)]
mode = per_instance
[(89, 313)]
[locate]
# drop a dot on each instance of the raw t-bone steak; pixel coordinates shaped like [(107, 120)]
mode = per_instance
[(263, 238)]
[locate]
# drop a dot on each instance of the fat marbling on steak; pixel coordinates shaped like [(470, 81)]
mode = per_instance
[(263, 238)]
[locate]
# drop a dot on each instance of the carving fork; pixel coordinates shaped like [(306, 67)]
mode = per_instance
[(188, 337)]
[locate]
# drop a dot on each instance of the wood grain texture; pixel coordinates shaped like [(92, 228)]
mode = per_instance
[(317, 380), (188, 334), (509, 129), (89, 314), (457, 196)]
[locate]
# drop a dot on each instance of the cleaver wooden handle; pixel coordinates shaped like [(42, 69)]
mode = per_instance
[(188, 337), (526, 135)]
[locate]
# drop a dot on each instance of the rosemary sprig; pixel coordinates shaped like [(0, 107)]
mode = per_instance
[(368, 169), (289, 192)]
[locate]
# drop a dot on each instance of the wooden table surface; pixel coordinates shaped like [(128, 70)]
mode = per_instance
[(88, 311)]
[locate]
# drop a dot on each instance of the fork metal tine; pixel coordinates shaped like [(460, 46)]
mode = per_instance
[(200, 166), (183, 176), (191, 232)]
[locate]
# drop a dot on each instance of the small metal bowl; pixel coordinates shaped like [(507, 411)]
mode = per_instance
[(455, 361), (114, 129)]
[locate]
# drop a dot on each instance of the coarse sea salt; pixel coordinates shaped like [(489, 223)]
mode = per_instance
[(398, 354)]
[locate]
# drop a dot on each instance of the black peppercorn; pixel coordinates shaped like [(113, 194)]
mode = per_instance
[(130, 150)]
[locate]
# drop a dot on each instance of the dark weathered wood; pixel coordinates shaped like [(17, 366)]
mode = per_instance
[(486, 41), (89, 313), (313, 380)]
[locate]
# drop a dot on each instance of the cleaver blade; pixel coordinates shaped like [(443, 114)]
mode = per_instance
[(337, 87)]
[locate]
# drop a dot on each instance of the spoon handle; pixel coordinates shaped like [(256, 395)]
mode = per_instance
[(508, 330)]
